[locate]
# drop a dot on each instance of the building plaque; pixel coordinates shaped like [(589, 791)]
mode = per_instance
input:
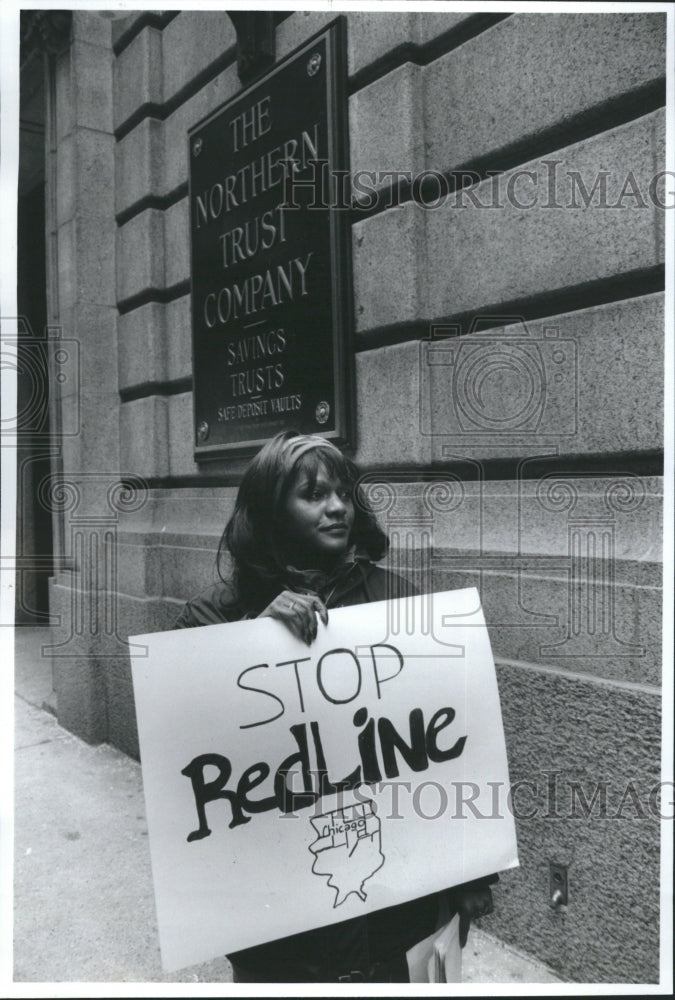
[(270, 256)]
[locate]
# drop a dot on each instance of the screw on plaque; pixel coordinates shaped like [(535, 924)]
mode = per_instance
[(322, 412), (197, 147), (202, 430), (314, 64)]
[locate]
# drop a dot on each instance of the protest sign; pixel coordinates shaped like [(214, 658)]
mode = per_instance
[(291, 786)]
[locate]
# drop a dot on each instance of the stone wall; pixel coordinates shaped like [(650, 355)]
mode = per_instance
[(551, 505)]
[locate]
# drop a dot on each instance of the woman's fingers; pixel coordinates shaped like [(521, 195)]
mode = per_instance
[(471, 903), (322, 610), (298, 612)]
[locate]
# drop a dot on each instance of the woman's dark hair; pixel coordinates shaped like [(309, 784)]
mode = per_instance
[(252, 535)]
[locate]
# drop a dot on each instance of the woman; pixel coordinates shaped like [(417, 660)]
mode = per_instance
[(300, 543)]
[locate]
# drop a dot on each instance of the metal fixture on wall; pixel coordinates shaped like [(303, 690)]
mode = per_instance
[(558, 887), (255, 42), (256, 48)]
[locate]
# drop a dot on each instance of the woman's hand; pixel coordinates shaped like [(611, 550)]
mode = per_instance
[(470, 902), (298, 613)]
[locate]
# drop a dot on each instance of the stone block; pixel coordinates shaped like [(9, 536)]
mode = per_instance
[(66, 264), (609, 398), (184, 515), (214, 93), (71, 447), (141, 342), (190, 43), (384, 124), (79, 696), (503, 525), (178, 338), (137, 75), (139, 563), (122, 728), (511, 253), (92, 26), (609, 401), (139, 164), (661, 192), (97, 398), (387, 408), (187, 569), (94, 258), (561, 731), (78, 680), (181, 435), (140, 254), (475, 256), (177, 243), (66, 179), (65, 104), (144, 447), (372, 35), (617, 635), (545, 72), (546, 508), (91, 80), (95, 171), (137, 617), (386, 252)]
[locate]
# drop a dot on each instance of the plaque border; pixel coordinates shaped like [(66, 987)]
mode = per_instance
[(342, 334)]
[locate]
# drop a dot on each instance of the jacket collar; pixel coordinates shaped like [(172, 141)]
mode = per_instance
[(350, 572)]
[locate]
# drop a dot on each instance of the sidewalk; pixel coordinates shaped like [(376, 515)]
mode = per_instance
[(84, 905)]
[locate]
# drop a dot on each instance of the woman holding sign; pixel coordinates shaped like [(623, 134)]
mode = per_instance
[(300, 543)]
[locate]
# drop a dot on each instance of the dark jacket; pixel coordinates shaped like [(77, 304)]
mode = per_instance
[(360, 582), (325, 952)]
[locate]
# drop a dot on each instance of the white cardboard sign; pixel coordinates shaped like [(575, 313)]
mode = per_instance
[(291, 786)]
